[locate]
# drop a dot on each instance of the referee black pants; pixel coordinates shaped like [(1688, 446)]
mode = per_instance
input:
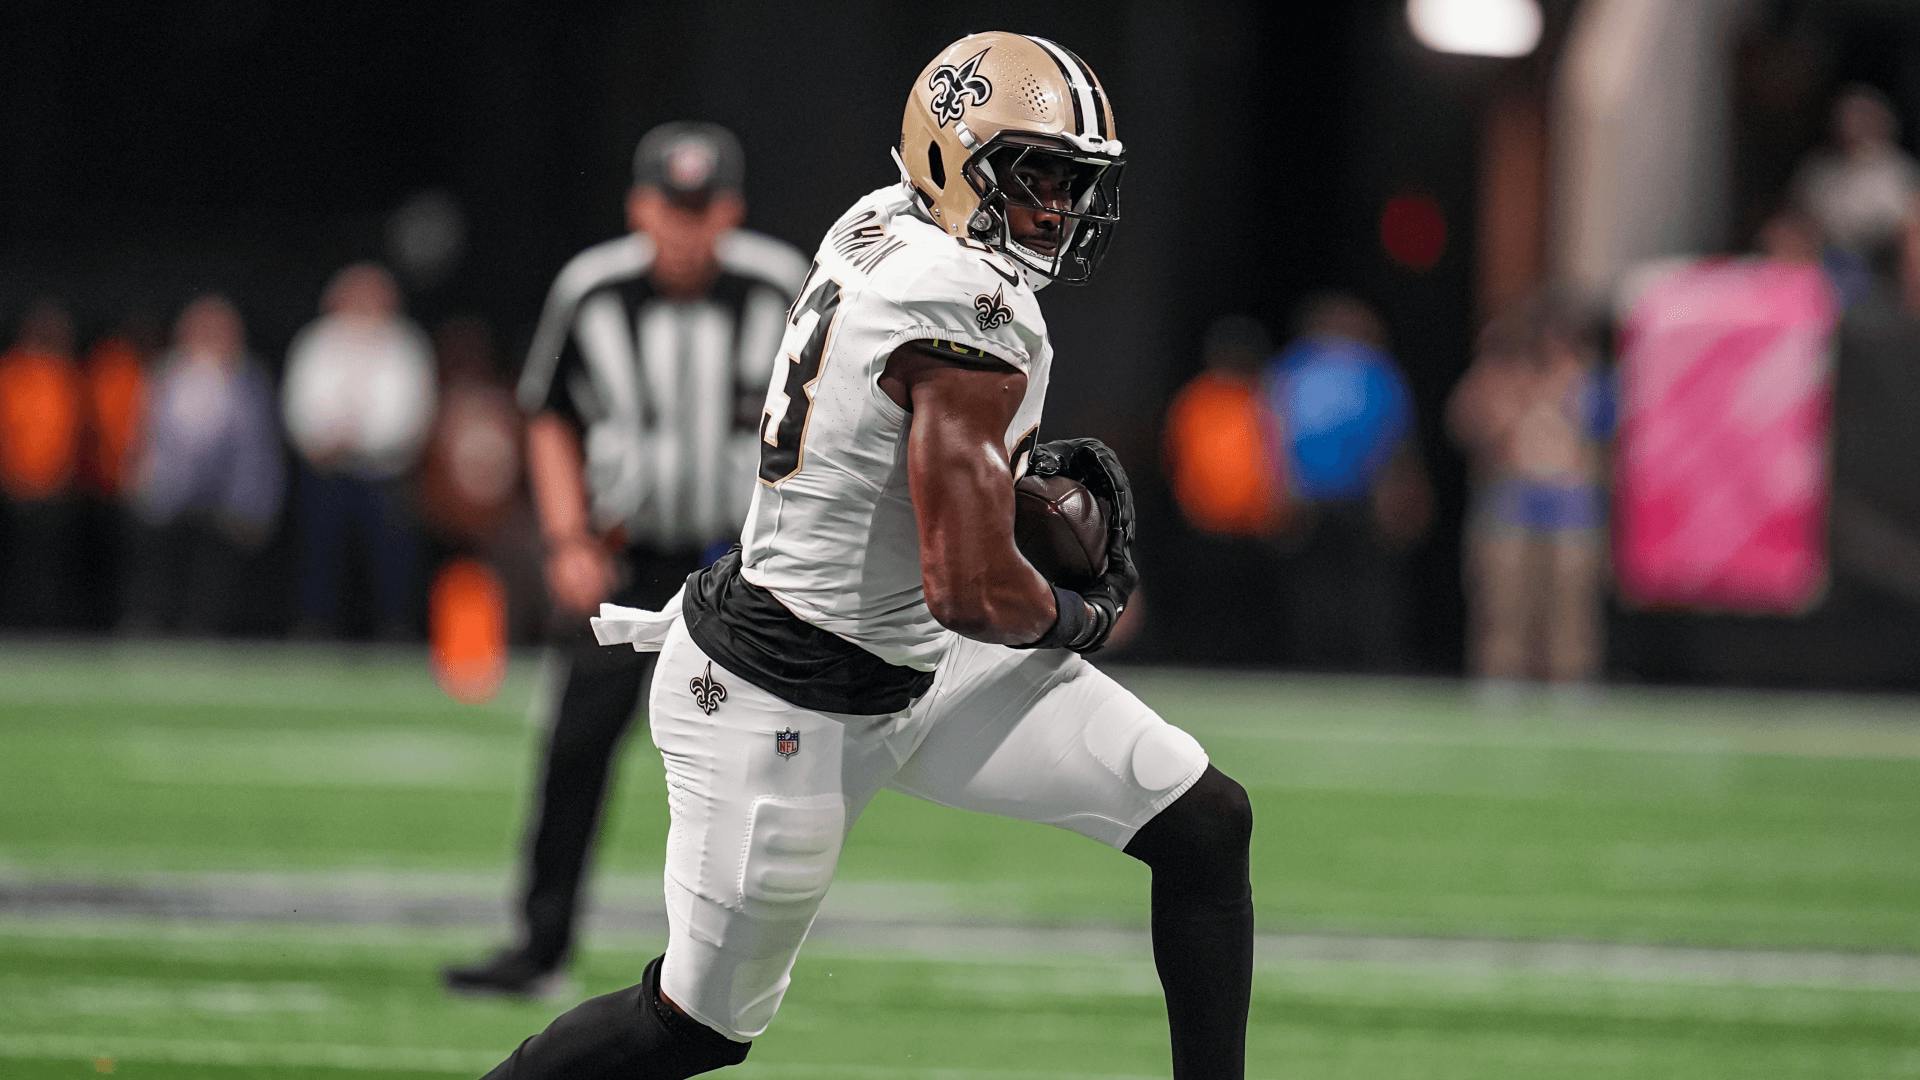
[(603, 690)]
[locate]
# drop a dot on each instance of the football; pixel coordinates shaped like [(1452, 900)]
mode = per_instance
[(1061, 529)]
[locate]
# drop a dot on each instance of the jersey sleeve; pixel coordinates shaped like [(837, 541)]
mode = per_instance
[(964, 307), (554, 362), (555, 365)]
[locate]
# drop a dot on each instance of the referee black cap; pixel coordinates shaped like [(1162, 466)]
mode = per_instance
[(689, 162)]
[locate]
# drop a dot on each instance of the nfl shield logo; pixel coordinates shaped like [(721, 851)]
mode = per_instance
[(786, 743)]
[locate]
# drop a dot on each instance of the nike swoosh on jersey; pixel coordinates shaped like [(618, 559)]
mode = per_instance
[(1011, 279)]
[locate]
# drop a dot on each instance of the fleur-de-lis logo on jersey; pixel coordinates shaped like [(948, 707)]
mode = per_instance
[(955, 86), (707, 693), (991, 312)]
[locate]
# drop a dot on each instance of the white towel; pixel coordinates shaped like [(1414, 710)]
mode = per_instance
[(645, 630)]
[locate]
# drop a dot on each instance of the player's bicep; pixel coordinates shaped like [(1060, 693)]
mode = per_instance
[(957, 467), (959, 416), (976, 581)]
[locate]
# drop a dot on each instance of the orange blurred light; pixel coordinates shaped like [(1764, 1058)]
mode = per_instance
[(468, 632)]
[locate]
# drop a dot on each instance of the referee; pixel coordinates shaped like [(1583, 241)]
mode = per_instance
[(643, 388)]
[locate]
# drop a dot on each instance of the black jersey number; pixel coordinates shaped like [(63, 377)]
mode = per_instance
[(781, 436)]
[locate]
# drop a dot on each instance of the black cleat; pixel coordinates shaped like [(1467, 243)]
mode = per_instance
[(509, 973)]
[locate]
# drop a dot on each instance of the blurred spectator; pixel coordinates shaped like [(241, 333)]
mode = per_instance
[(1225, 474), (358, 400), (1876, 504), (1218, 447), (1359, 490), (1860, 190), (115, 377), (471, 493), (1532, 415), (42, 413), (1790, 235), (116, 395), (472, 462), (208, 483)]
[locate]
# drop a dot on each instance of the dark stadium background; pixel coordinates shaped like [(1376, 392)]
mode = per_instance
[(255, 147), (157, 149)]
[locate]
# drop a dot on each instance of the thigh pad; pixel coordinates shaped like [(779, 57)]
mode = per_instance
[(792, 845)]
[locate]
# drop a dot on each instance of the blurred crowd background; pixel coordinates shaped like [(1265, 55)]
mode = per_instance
[(1592, 355)]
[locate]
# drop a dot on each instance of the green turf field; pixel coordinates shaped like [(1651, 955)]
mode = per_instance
[(249, 864)]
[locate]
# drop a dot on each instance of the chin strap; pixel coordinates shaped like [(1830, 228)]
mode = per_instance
[(1020, 254)]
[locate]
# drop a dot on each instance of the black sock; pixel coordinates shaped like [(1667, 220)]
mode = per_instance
[(1203, 924), (629, 1034), (1203, 947)]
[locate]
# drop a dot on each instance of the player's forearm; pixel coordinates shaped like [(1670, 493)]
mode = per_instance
[(556, 473), (1013, 606), (976, 582)]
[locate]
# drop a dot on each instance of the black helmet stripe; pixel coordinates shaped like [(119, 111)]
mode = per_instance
[(1077, 84), (1101, 110)]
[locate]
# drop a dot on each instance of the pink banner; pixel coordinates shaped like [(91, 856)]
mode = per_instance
[(1722, 479)]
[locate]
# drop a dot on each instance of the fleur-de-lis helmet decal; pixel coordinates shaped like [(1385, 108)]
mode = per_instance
[(707, 693), (955, 86)]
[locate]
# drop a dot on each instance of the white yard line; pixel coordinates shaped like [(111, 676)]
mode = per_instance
[(865, 923)]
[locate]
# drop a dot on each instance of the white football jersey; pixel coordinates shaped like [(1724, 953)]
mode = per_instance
[(831, 532)]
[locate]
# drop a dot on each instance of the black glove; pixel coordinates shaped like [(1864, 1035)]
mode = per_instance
[(1091, 463)]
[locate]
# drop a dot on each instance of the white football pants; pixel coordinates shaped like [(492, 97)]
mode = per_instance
[(762, 794)]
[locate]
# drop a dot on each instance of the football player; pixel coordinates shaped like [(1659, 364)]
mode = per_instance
[(877, 627)]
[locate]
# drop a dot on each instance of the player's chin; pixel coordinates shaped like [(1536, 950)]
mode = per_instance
[(1048, 246)]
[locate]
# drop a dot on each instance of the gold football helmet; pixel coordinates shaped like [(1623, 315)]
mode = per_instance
[(988, 112)]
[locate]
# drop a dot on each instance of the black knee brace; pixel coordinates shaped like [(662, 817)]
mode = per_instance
[(1200, 843), (624, 1035)]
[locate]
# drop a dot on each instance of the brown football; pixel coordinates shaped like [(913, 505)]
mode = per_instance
[(1060, 528)]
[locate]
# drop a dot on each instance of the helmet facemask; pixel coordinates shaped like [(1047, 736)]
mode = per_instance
[(1089, 182)]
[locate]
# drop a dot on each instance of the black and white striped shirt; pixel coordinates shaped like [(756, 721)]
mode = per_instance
[(667, 393)]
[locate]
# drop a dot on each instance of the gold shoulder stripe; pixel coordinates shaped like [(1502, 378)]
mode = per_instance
[(954, 347), (963, 354)]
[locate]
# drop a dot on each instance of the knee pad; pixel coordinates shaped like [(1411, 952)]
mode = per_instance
[(1225, 809), (1203, 835), (1161, 757)]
